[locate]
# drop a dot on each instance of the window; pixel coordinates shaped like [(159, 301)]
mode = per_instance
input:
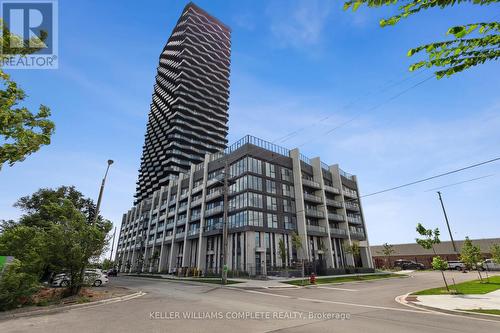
[(246, 182), (270, 170), (288, 190), (257, 239), (288, 206), (272, 221), (247, 217), (247, 164), (247, 199), (286, 174), (272, 203), (271, 186)]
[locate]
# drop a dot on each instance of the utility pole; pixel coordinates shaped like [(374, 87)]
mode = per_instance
[(225, 226), (112, 246), (100, 192), (447, 222)]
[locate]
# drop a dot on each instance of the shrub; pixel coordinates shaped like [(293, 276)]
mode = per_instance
[(16, 286)]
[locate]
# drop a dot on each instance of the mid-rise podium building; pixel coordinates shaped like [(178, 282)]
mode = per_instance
[(190, 180)]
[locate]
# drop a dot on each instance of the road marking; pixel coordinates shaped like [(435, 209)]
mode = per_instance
[(421, 311)]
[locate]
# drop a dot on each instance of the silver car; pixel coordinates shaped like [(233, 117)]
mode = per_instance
[(91, 278)]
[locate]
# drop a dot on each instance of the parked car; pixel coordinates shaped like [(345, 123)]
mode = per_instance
[(91, 277), (489, 265), (456, 265), (112, 272), (408, 264)]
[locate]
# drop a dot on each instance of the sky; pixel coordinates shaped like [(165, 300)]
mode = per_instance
[(334, 78)]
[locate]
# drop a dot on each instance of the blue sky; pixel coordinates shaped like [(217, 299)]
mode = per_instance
[(294, 63)]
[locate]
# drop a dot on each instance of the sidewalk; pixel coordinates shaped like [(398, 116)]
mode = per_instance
[(490, 301)]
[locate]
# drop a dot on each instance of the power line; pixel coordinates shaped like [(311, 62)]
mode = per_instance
[(462, 182), (433, 177)]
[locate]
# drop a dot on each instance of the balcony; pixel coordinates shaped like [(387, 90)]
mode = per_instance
[(290, 226), (182, 209), (357, 235), (316, 228), (217, 179), (215, 226), (213, 211), (312, 198), (197, 189), (350, 193), (196, 202), (169, 237), (334, 203), (180, 235), (169, 226), (335, 217), (352, 206), (332, 189), (213, 195), (181, 221), (310, 183), (354, 219), (315, 213), (338, 232), (193, 232), (194, 217)]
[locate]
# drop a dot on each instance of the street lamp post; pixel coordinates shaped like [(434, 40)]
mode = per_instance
[(99, 199)]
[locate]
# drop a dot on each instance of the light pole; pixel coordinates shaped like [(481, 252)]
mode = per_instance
[(100, 192)]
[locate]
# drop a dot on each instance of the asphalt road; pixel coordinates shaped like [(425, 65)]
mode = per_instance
[(351, 307)]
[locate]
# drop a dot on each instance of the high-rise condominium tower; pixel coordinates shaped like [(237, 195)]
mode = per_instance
[(189, 111)]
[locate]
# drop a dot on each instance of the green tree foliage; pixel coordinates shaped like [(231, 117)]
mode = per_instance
[(54, 235), (16, 286), (387, 251), (471, 44), (431, 238), (439, 264), (282, 251), (471, 256), (107, 264), (22, 132), (353, 249), (495, 253)]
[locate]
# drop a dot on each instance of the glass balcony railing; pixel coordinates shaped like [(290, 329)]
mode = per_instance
[(213, 211), (312, 198), (335, 217), (332, 189), (310, 183), (338, 232), (316, 228), (315, 213), (334, 203)]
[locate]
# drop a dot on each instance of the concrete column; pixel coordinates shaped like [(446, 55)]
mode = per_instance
[(161, 262), (202, 247), (171, 263), (299, 204), (368, 254), (335, 170), (187, 247), (318, 177)]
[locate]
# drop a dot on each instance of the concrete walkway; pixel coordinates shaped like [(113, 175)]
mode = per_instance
[(490, 301)]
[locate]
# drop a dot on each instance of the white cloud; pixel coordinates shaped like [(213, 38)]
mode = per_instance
[(301, 23)]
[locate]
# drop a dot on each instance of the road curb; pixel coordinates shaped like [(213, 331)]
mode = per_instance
[(38, 312), (402, 300)]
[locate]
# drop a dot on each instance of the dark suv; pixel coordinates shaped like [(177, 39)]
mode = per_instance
[(408, 264)]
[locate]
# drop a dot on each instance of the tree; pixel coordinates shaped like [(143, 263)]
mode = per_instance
[(472, 44), (440, 265), (21, 131), (471, 256), (387, 251), (54, 235), (107, 264), (16, 286), (431, 238), (354, 250), (495, 253), (298, 245), (282, 251)]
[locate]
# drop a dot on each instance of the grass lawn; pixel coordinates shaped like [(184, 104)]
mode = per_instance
[(202, 280), (493, 311), (345, 279), (469, 287)]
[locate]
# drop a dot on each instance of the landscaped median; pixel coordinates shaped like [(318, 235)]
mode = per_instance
[(475, 297), (344, 279)]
